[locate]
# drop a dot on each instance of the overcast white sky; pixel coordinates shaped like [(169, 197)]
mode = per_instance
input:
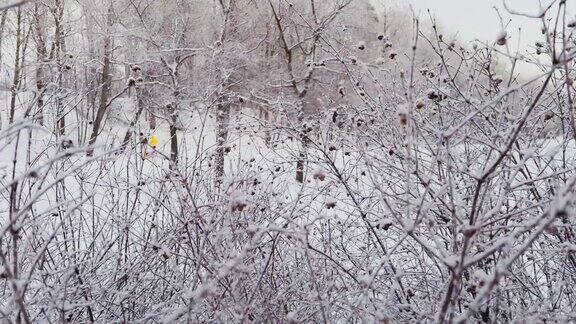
[(477, 19)]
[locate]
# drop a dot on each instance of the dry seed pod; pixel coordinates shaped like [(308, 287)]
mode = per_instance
[(502, 38)]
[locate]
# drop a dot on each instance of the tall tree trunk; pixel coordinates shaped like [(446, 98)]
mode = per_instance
[(16, 76), (173, 118), (300, 93), (229, 33), (4, 14), (40, 60), (106, 81), (90, 72), (300, 166), (151, 118), (222, 118), (59, 49), (140, 107)]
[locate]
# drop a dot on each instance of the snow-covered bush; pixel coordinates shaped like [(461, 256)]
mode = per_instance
[(274, 161)]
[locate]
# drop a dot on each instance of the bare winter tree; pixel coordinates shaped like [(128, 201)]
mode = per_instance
[(282, 161)]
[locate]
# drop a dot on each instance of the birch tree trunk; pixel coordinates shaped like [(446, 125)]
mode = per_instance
[(39, 23), (58, 49), (229, 33), (17, 68)]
